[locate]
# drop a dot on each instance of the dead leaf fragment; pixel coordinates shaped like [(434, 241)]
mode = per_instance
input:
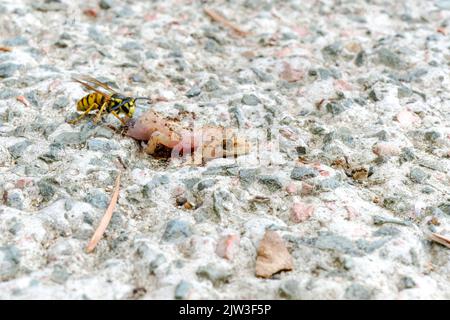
[(273, 256)]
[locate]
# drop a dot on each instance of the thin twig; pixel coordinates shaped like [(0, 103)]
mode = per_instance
[(5, 49), (217, 17), (440, 239), (106, 218)]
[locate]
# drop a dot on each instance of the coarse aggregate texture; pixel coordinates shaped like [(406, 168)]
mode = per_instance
[(352, 97)]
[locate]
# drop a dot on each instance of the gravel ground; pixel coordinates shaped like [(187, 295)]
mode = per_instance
[(351, 98)]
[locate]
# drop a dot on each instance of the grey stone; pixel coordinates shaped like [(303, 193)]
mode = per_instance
[(47, 188), (182, 290), (327, 184), (335, 107), (9, 262), (191, 182), (324, 74), (98, 198), (15, 199), (427, 190), (193, 92), (16, 41), (33, 97), (131, 46), (404, 92), (215, 273), (68, 137), (97, 36), (332, 51), (225, 170), (387, 231), (360, 58), (358, 291), (212, 46), (211, 85), (7, 93), (375, 95), (59, 274), (106, 4), (157, 180), (417, 175), (406, 282), (445, 207), (176, 231), (17, 149), (262, 76), (370, 246), (205, 184), (301, 150), (407, 155), (443, 4), (396, 204), (432, 136), (389, 58), (303, 173), (273, 183), (330, 241), (250, 100), (8, 69), (248, 176), (102, 144), (61, 102), (222, 202), (240, 118), (289, 289)]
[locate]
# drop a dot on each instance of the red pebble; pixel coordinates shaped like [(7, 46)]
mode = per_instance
[(306, 189), (301, 212), (90, 12), (227, 246), (291, 188)]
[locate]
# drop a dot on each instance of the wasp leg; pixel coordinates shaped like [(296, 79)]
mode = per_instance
[(93, 106), (117, 116), (99, 114)]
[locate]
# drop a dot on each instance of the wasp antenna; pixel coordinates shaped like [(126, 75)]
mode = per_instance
[(143, 98)]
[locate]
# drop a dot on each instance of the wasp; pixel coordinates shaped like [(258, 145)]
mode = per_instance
[(104, 102)]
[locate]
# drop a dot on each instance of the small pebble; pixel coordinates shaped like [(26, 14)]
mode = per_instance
[(177, 231), (303, 173), (15, 199), (417, 175), (182, 290), (215, 273), (301, 212), (250, 100), (227, 246)]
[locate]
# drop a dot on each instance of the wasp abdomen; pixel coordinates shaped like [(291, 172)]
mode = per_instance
[(84, 103)]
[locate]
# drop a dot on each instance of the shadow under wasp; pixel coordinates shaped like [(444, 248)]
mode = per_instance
[(104, 102)]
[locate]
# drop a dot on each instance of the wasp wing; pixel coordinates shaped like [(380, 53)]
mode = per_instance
[(88, 86), (97, 83)]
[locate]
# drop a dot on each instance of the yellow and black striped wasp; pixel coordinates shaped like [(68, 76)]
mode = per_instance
[(109, 101)]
